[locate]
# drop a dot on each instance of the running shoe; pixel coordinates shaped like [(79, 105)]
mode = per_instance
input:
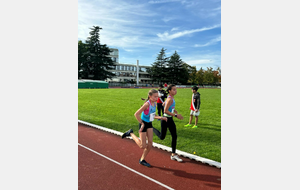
[(144, 163), (188, 125), (127, 133), (194, 127), (176, 157)]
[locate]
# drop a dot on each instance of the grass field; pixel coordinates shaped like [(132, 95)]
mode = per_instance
[(115, 108)]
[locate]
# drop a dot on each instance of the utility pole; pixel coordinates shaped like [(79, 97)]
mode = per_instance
[(137, 72)]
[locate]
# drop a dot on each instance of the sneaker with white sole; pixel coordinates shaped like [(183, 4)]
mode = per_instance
[(176, 157)]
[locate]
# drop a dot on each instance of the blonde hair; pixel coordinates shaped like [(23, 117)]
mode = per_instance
[(151, 92)]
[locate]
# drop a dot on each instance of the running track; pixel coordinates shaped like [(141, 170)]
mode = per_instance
[(106, 161)]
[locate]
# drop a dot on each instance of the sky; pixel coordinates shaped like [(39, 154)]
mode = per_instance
[(139, 29)]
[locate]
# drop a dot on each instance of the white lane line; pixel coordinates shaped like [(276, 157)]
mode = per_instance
[(127, 167), (166, 148)]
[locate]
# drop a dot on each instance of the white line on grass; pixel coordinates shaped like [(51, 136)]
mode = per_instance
[(126, 167)]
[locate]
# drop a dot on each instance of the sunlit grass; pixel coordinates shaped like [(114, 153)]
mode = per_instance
[(115, 108)]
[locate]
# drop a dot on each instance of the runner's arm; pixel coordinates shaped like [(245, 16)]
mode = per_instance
[(139, 111)]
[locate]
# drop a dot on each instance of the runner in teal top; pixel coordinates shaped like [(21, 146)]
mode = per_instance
[(170, 111), (149, 113), (145, 125)]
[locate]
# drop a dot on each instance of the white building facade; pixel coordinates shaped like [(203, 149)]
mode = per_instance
[(129, 72)]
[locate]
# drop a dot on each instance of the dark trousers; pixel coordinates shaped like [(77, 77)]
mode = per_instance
[(172, 128), (160, 109)]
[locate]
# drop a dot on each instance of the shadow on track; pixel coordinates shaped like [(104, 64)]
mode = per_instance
[(200, 177)]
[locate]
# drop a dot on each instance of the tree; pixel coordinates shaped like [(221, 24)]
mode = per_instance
[(193, 75), (97, 60), (187, 70), (219, 75), (200, 76), (158, 69), (83, 69), (209, 76), (177, 72)]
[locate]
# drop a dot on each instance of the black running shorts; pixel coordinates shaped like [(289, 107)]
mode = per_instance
[(147, 126)]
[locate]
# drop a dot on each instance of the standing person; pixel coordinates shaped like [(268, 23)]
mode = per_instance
[(169, 113), (160, 100), (145, 125), (165, 86), (195, 107)]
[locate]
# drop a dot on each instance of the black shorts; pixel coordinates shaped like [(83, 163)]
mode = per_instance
[(147, 126)]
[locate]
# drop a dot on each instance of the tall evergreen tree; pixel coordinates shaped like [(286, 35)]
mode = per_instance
[(158, 69), (83, 69), (98, 61), (177, 70)]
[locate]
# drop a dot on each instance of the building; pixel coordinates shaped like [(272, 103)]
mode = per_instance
[(114, 55), (129, 73)]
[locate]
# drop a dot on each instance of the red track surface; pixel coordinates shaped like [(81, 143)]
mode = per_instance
[(97, 172)]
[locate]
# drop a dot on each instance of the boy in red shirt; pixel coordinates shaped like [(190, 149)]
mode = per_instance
[(195, 107)]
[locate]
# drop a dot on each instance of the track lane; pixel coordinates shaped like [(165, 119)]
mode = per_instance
[(187, 175)]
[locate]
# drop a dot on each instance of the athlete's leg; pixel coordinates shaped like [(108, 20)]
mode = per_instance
[(149, 135), (172, 129), (140, 142), (161, 135)]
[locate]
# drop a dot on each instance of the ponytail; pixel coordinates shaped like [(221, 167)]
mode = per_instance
[(150, 93)]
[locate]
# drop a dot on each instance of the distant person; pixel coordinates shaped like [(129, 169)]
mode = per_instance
[(170, 112), (148, 111), (195, 107), (161, 99), (166, 86)]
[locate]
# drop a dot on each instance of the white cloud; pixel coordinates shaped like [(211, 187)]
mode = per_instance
[(173, 29), (167, 19), (199, 61), (140, 30), (126, 30), (166, 36), (162, 1), (211, 42)]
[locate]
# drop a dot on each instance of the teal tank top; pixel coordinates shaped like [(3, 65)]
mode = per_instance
[(171, 108), (146, 114)]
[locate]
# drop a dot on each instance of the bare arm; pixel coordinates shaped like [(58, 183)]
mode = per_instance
[(168, 104), (139, 111)]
